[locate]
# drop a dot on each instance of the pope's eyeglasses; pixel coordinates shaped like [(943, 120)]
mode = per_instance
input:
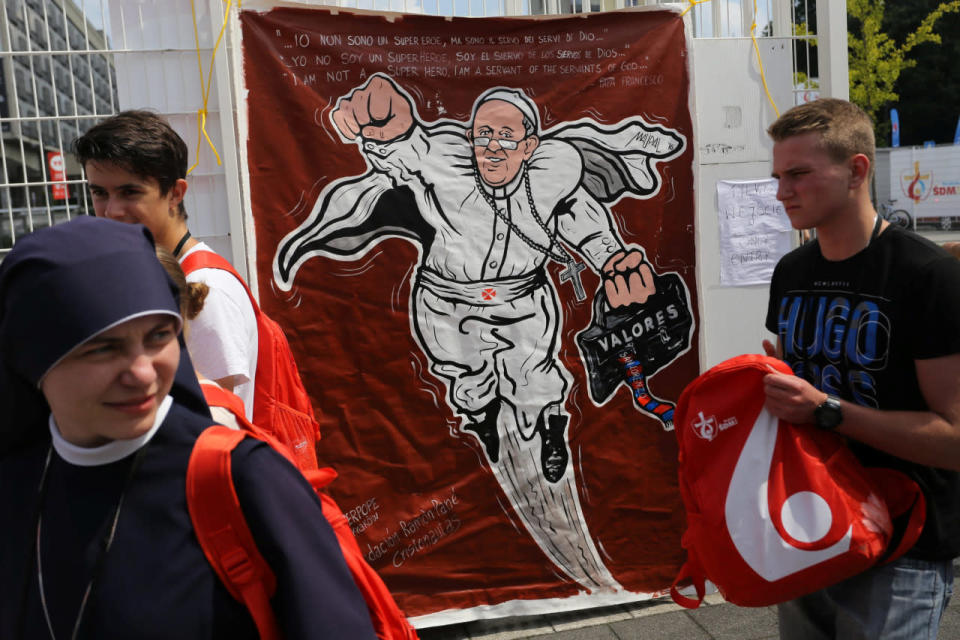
[(484, 141)]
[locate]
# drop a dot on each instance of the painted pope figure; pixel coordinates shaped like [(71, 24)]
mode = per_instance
[(489, 204)]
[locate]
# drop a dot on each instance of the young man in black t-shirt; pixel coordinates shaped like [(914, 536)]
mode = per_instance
[(868, 317)]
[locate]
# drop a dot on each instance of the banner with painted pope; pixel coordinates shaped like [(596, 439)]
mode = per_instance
[(479, 237)]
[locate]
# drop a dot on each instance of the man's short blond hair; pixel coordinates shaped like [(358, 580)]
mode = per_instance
[(844, 128)]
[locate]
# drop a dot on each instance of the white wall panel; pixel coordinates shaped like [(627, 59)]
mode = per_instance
[(157, 68), (732, 113)]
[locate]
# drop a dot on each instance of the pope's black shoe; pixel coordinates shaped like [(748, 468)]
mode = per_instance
[(553, 448), (486, 431)]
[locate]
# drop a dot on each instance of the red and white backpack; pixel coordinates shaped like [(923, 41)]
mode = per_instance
[(776, 510)]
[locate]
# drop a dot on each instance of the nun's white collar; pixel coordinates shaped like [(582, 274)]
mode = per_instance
[(110, 452)]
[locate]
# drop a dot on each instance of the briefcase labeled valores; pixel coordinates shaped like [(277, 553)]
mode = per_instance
[(654, 333)]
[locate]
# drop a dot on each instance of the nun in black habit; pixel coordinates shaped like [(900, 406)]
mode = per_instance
[(100, 409)]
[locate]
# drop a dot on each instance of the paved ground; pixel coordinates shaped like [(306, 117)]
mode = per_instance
[(651, 620)]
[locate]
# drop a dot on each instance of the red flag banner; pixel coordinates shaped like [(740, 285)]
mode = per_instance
[(479, 237), (57, 172)]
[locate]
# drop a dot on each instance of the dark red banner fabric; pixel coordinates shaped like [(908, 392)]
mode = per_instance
[(478, 235)]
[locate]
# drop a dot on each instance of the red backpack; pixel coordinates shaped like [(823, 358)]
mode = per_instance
[(280, 403), (229, 546), (776, 510)]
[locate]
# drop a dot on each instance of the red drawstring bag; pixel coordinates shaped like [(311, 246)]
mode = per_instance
[(776, 510)]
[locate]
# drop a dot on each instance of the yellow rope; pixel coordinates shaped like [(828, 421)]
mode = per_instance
[(205, 86), (756, 48), (753, 37), (692, 4)]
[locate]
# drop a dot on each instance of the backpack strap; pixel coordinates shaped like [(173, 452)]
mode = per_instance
[(217, 396), (222, 530), (388, 621), (901, 496), (691, 571), (209, 260)]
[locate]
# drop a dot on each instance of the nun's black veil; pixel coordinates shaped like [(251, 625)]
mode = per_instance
[(61, 286)]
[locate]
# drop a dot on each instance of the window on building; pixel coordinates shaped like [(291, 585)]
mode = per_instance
[(49, 128), (24, 86), (15, 12), (38, 33)]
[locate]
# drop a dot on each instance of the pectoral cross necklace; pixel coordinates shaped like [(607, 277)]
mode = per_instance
[(103, 547), (571, 272), (572, 268)]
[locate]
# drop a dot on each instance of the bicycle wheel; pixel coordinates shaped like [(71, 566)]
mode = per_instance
[(900, 218)]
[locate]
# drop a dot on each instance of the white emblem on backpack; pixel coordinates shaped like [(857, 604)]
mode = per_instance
[(805, 515), (705, 427)]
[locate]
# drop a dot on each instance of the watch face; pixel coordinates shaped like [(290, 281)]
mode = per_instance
[(828, 415)]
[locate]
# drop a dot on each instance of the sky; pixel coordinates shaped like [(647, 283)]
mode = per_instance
[(92, 10)]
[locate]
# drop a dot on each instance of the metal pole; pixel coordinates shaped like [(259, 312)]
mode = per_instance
[(832, 49)]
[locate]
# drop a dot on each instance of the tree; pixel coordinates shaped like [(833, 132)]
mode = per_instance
[(876, 61), (929, 100), (805, 45)]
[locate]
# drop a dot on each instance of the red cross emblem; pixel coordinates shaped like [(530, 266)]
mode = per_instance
[(489, 293)]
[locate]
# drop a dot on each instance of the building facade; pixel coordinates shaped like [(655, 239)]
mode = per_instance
[(56, 81)]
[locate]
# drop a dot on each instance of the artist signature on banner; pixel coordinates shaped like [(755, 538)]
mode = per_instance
[(434, 521)]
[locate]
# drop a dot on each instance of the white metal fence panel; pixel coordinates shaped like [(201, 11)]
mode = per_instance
[(56, 79)]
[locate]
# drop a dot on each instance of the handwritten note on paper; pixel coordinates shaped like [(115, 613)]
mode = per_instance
[(754, 231)]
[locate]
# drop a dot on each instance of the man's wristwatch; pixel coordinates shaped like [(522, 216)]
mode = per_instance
[(828, 415)]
